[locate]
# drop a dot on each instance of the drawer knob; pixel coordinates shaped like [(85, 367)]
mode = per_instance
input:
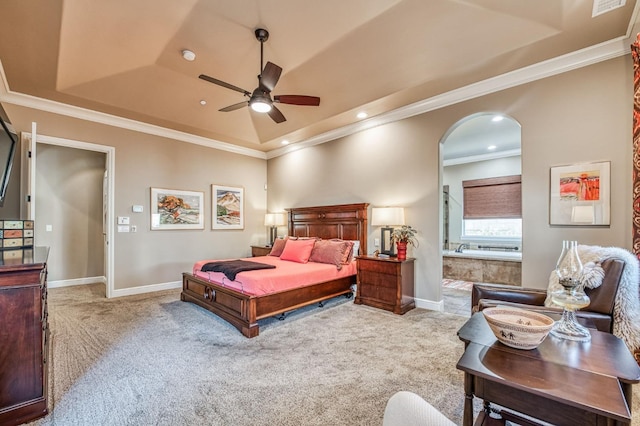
[(210, 294)]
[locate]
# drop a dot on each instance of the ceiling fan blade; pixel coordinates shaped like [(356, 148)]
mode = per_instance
[(297, 100), (223, 84), (276, 115), (234, 106), (270, 76)]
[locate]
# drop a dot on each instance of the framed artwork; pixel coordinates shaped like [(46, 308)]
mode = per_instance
[(228, 207), (580, 194), (176, 209)]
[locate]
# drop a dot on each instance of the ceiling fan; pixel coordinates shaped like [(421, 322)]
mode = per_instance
[(260, 99)]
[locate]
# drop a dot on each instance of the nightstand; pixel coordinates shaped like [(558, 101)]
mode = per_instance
[(260, 251), (386, 283)]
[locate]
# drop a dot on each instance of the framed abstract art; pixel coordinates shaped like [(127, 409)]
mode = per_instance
[(580, 194)]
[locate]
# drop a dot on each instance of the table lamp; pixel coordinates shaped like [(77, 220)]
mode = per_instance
[(273, 220), (386, 217)]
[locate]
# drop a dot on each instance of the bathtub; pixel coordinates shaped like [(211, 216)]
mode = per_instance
[(509, 256), (483, 266)]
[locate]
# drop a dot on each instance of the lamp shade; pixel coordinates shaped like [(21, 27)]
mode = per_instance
[(381, 216), (273, 219)]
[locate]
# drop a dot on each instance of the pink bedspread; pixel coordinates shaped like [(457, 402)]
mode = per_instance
[(285, 276)]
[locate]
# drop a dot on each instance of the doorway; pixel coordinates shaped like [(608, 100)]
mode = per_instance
[(71, 192), (481, 147)]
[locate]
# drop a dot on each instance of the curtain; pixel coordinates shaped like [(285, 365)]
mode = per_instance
[(635, 53)]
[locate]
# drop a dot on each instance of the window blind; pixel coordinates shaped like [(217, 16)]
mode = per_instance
[(491, 198)]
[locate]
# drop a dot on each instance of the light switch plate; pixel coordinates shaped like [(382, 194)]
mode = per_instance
[(123, 220), (123, 228)]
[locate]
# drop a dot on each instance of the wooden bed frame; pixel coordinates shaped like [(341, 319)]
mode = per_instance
[(345, 221)]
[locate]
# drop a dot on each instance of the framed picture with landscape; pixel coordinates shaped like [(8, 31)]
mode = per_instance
[(580, 194), (176, 209), (228, 207)]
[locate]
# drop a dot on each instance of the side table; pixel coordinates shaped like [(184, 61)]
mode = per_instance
[(561, 382), (260, 251), (386, 283)]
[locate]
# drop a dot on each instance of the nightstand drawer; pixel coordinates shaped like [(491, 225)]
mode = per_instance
[(382, 294), (377, 266), (370, 278)]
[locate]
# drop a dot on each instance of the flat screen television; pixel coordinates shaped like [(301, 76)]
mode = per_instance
[(8, 144)]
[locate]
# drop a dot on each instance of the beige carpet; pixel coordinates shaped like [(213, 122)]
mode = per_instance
[(153, 360)]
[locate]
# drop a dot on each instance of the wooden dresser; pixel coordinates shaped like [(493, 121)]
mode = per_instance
[(24, 335), (386, 283)]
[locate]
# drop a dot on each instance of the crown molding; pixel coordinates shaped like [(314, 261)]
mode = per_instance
[(561, 64), (20, 99), (571, 61), (481, 157)]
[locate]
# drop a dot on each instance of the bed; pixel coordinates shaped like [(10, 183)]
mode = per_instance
[(240, 308)]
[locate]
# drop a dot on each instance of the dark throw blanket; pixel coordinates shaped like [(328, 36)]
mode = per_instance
[(230, 268)]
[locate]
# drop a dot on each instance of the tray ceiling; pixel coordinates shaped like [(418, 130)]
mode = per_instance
[(124, 58)]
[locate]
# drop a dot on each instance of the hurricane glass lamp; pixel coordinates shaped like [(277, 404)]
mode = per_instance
[(572, 296)]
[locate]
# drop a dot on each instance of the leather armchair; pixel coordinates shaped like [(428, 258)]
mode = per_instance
[(599, 313)]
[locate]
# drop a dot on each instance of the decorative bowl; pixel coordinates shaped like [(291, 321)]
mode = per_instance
[(518, 328)]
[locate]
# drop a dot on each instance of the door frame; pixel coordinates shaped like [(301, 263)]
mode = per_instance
[(110, 170)]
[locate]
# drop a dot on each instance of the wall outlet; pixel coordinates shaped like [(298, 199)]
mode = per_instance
[(376, 242)]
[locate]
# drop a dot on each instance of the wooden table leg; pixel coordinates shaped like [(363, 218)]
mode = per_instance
[(467, 419)]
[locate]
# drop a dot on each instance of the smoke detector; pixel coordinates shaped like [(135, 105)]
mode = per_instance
[(188, 55), (604, 6)]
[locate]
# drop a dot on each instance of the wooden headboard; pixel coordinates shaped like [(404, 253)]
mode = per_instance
[(344, 221)]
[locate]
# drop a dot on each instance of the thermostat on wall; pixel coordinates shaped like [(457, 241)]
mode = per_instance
[(137, 209)]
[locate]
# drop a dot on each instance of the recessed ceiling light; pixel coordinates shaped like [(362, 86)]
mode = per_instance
[(362, 115), (491, 147), (203, 102), (285, 142), (497, 118), (188, 55)]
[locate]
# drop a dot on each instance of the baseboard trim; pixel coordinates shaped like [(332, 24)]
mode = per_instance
[(117, 292), (146, 289), (431, 305), (76, 281)]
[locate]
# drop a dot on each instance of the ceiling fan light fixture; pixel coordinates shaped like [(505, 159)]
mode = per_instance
[(260, 106), (260, 102)]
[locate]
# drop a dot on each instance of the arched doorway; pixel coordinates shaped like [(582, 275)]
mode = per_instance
[(480, 149)]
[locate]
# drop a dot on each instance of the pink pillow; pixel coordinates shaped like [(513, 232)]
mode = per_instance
[(278, 246), (297, 250), (335, 252)]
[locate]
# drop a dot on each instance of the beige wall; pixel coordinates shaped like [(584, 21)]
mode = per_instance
[(580, 116), (143, 161)]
